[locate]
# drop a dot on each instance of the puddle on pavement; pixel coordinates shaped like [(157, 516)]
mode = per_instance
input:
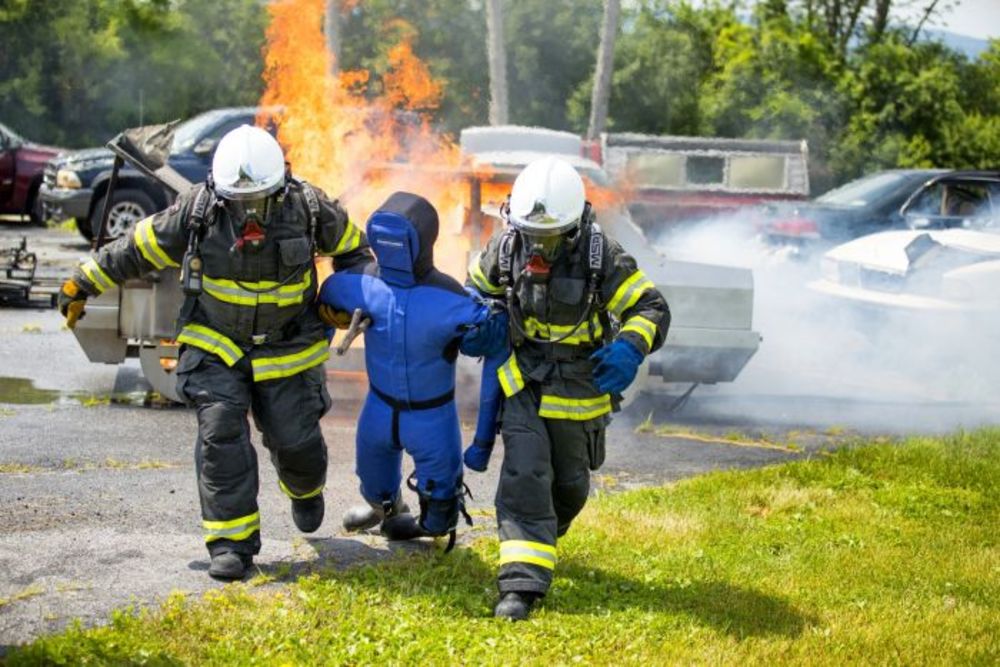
[(22, 391)]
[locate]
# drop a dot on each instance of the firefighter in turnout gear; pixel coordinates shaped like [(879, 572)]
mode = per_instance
[(252, 341), (582, 319)]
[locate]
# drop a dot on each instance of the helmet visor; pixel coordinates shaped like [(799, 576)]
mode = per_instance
[(545, 246)]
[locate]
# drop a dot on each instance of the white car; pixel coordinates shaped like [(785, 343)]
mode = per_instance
[(945, 270)]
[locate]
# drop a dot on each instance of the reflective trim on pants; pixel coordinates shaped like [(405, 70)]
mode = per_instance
[(233, 529), (510, 376), (523, 551), (305, 496), (204, 338), (270, 368), (577, 409)]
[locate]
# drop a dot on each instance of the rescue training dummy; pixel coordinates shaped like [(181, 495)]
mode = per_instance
[(582, 319), (250, 334), (420, 320)]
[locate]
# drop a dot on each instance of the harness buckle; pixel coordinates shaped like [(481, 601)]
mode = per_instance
[(258, 339)]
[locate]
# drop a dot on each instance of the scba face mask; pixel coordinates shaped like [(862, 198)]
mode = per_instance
[(250, 218)]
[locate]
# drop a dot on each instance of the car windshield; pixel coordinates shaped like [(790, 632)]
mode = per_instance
[(189, 132), (864, 191)]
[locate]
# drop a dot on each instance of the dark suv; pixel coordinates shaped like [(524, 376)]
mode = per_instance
[(21, 165), (75, 183)]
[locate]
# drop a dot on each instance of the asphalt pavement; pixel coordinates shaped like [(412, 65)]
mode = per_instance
[(98, 504)]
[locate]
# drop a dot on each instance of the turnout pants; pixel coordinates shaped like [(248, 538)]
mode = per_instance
[(285, 410), (544, 484)]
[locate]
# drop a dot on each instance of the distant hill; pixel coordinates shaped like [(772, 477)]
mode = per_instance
[(970, 46)]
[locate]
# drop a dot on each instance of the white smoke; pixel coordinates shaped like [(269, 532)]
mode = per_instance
[(824, 362)]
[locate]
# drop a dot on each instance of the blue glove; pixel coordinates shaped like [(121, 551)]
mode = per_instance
[(477, 456), (616, 366), (488, 338)]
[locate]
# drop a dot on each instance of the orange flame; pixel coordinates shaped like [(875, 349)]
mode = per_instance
[(362, 135)]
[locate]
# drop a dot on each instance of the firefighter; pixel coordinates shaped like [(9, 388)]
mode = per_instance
[(582, 319), (251, 338), (421, 319)]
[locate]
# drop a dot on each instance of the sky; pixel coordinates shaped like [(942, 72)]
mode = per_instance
[(975, 18)]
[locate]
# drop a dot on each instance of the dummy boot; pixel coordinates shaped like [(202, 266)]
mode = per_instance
[(229, 565), (363, 517), (515, 606)]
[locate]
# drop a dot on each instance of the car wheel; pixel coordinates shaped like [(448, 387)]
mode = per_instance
[(128, 207), (36, 214)]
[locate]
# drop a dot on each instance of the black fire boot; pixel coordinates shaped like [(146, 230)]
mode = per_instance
[(401, 527), (515, 606), (229, 565), (308, 513), (363, 517)]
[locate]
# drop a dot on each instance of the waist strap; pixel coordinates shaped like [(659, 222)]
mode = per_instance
[(409, 406)]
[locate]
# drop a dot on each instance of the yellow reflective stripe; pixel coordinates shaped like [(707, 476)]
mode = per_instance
[(580, 335), (628, 293), (510, 376), (252, 293), (145, 240), (640, 325), (523, 551), (96, 275), (270, 368), (576, 409), (288, 492), (480, 280), (211, 341), (349, 240), (233, 529)]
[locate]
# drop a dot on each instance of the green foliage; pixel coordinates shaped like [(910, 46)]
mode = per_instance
[(871, 554), (76, 72)]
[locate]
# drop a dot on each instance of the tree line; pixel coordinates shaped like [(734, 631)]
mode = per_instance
[(864, 89)]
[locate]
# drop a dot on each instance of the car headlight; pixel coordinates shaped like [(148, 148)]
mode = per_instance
[(66, 178)]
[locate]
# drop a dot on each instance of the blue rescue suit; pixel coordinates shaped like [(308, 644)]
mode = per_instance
[(419, 317)]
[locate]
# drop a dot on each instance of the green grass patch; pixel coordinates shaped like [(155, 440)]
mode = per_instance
[(869, 554)]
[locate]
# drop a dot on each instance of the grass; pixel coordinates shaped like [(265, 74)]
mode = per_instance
[(869, 554)]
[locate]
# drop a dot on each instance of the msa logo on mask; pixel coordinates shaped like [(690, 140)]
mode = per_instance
[(396, 246)]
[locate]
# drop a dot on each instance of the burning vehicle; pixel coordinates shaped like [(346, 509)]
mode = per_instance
[(947, 262)]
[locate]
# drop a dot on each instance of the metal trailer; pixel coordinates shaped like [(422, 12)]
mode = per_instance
[(138, 318)]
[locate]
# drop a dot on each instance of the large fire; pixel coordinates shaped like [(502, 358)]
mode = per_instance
[(358, 138)]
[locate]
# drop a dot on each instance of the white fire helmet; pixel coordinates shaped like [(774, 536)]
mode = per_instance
[(547, 199), (248, 164)]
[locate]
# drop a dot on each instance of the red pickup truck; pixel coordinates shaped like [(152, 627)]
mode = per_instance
[(21, 166)]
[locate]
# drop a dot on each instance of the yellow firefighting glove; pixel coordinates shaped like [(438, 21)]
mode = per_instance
[(71, 301), (341, 319)]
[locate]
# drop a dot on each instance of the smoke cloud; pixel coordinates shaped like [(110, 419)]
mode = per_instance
[(825, 362)]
